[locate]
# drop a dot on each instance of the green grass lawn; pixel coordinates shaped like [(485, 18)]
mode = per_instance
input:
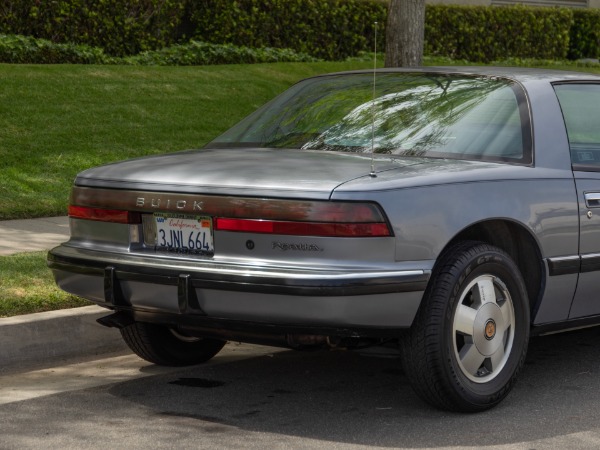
[(58, 120), (27, 286)]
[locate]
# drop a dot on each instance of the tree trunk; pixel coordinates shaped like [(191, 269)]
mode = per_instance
[(405, 33)]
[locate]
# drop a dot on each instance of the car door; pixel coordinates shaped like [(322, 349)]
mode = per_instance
[(580, 104)]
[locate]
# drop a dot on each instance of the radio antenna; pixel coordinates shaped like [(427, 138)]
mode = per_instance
[(373, 174)]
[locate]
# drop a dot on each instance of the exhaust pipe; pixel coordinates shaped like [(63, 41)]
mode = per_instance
[(119, 319)]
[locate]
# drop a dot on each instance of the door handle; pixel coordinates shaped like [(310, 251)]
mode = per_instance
[(592, 199)]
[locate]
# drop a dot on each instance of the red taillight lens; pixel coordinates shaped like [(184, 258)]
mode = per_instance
[(302, 228), (104, 215), (306, 218)]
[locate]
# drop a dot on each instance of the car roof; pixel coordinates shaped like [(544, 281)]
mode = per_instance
[(519, 74)]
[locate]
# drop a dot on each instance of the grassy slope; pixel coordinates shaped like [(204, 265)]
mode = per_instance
[(58, 120)]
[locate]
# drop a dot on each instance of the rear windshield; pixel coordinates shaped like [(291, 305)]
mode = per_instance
[(421, 115)]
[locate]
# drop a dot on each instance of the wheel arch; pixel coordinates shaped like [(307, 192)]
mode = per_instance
[(519, 243)]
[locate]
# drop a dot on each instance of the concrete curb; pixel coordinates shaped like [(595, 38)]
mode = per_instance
[(42, 337)]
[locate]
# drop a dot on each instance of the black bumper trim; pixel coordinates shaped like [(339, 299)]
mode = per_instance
[(564, 266), (113, 294), (186, 296), (590, 263), (314, 286)]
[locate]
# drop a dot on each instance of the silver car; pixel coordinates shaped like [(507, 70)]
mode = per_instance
[(443, 214)]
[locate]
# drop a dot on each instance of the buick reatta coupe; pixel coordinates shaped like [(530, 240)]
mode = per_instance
[(445, 214)]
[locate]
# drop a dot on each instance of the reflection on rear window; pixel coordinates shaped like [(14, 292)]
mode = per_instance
[(425, 115)]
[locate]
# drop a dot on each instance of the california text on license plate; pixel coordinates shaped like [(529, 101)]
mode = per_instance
[(185, 234)]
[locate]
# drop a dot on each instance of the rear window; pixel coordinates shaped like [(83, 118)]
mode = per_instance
[(420, 115), (580, 104)]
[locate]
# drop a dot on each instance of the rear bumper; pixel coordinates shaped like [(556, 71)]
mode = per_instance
[(206, 292)]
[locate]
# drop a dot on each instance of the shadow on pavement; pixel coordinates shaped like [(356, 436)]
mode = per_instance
[(347, 398)]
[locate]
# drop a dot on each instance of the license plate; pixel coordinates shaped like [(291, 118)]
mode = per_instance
[(184, 234)]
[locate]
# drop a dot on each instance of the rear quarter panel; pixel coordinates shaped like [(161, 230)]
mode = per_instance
[(428, 212)]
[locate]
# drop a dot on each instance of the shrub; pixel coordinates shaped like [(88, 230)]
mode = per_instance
[(202, 53), (28, 50)]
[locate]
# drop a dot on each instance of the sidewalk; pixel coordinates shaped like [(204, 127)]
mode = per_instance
[(32, 235), (42, 338)]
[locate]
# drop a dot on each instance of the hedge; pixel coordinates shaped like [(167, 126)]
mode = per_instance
[(330, 29), (585, 34), (120, 27), (485, 34), (335, 29)]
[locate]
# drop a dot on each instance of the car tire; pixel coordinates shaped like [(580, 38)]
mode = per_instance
[(469, 339), (166, 347)]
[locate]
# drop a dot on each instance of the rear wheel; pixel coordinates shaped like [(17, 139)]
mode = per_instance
[(470, 336), (165, 346)]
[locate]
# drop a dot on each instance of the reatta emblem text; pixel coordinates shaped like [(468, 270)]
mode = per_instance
[(284, 246)]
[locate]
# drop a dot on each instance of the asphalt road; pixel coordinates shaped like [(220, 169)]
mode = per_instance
[(258, 397)]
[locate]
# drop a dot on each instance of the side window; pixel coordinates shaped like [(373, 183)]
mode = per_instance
[(580, 104)]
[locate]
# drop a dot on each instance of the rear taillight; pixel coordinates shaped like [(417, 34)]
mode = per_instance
[(307, 218), (104, 215), (340, 229), (235, 214)]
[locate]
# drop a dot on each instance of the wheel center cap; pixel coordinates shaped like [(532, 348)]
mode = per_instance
[(490, 329)]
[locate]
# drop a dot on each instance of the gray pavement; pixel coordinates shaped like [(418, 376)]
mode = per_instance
[(43, 338), (249, 397)]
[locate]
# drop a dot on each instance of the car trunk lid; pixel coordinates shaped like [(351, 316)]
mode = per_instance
[(248, 172)]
